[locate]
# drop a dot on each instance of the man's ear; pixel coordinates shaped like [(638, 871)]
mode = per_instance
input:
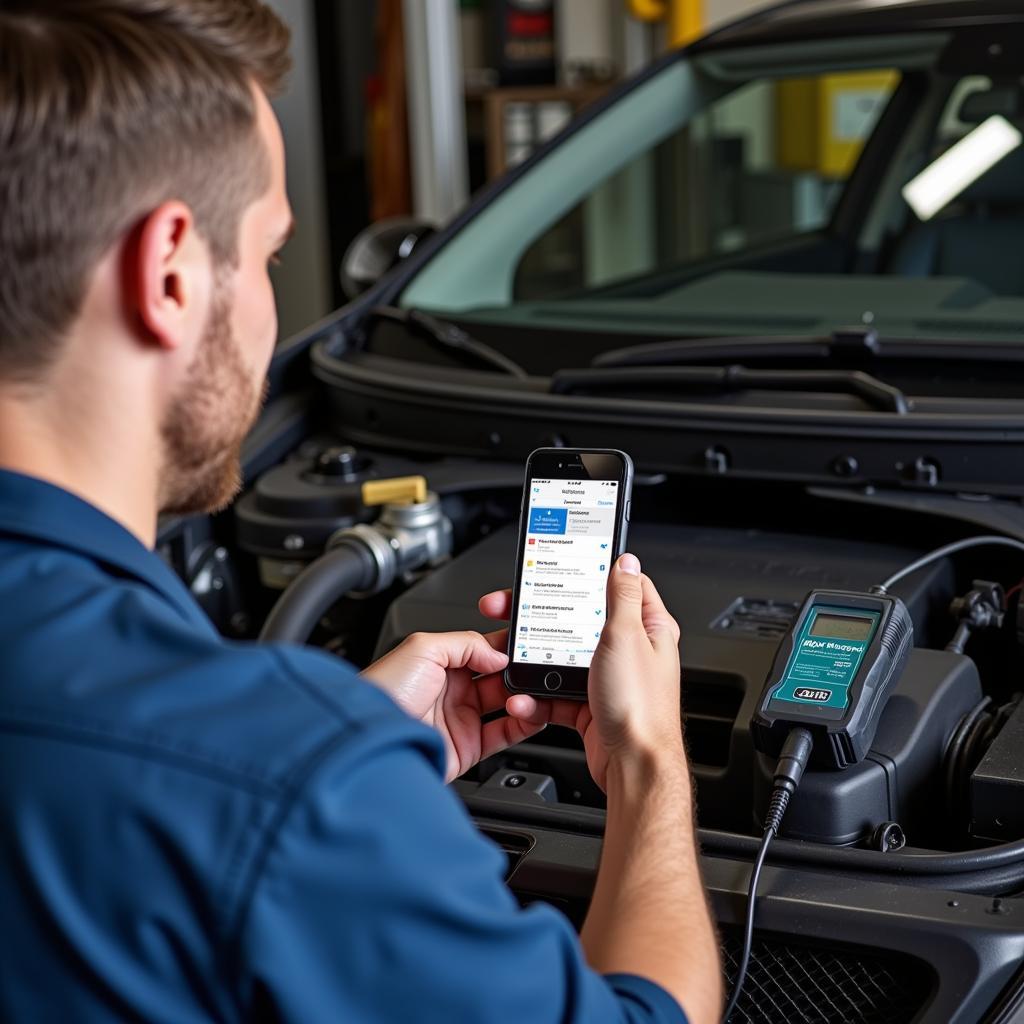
[(168, 275)]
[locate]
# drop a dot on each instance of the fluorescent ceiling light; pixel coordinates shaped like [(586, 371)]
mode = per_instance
[(961, 166)]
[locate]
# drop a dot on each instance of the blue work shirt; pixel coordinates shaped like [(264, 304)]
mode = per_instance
[(198, 830)]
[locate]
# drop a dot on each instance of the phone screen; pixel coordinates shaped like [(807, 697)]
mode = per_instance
[(568, 549)]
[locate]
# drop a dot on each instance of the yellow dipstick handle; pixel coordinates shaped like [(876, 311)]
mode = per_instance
[(400, 490)]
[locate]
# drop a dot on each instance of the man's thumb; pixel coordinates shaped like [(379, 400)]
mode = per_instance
[(625, 594)]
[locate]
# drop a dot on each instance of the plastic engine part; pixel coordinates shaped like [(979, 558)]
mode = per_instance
[(900, 779)]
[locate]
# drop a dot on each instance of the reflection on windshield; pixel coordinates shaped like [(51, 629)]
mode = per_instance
[(947, 177)]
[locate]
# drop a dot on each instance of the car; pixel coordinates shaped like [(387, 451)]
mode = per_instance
[(782, 269)]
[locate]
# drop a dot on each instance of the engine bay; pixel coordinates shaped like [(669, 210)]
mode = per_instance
[(734, 589)]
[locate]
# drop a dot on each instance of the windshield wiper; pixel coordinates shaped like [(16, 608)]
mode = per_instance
[(722, 379), (450, 337), (860, 344), (853, 341)]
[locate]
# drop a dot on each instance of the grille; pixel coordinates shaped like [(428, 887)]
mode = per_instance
[(789, 983)]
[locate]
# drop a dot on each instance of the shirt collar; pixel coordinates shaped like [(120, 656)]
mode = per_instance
[(30, 507)]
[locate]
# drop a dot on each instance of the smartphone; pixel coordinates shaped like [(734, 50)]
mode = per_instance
[(575, 514)]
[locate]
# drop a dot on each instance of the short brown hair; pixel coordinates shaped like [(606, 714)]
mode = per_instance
[(109, 108)]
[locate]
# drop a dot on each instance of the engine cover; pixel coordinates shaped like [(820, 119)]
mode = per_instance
[(899, 779)]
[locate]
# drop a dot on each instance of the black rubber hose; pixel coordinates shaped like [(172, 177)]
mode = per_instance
[(958, 743), (345, 568)]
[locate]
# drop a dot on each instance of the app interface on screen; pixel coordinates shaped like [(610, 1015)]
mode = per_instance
[(568, 551)]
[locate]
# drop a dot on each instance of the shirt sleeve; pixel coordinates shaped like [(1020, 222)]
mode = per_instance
[(377, 900)]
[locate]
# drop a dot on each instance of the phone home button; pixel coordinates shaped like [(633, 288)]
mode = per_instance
[(553, 680)]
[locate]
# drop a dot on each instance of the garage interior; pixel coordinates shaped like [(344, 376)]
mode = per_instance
[(358, 154), (773, 253)]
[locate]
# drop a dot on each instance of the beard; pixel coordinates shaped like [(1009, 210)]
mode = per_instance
[(208, 421)]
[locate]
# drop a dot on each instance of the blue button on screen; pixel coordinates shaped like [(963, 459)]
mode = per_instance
[(548, 520)]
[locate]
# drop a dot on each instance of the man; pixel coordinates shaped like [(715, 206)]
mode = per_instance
[(200, 830)]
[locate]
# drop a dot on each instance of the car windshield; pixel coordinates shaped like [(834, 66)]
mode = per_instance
[(786, 190)]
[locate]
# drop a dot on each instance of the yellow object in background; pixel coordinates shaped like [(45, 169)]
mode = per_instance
[(824, 122), (401, 490), (685, 18)]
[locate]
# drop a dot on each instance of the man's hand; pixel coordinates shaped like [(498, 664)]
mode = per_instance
[(433, 677), (633, 707), (633, 686)]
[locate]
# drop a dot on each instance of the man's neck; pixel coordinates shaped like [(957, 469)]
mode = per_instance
[(80, 450)]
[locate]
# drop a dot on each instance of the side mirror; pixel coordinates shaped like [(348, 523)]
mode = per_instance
[(378, 249)]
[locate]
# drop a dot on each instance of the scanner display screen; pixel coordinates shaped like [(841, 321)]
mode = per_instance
[(842, 627)]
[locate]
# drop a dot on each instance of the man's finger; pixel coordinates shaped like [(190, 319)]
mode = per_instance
[(491, 693), (481, 656), (625, 596), (525, 708), (492, 696), (498, 640), (466, 649), (661, 627), (502, 733), (496, 605)]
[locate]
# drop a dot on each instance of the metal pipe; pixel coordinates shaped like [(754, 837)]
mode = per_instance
[(437, 119)]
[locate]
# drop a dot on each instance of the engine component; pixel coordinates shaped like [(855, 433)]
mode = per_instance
[(888, 837), (968, 744), (212, 577), (900, 778), (408, 535), (997, 784), (362, 559), (293, 508), (982, 607), (531, 787)]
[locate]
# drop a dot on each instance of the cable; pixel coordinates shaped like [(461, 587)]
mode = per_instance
[(748, 927), (949, 549), (796, 752), (960, 638)]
